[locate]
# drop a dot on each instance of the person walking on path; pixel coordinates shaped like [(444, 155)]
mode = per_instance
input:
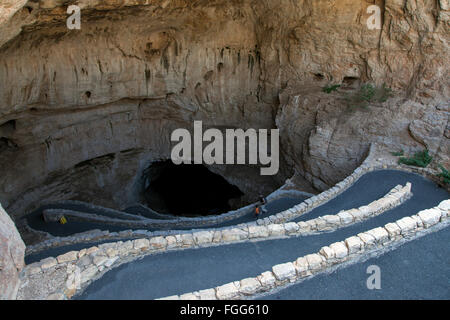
[(263, 202), (257, 212)]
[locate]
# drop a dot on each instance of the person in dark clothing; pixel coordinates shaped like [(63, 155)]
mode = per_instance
[(262, 200), (262, 204)]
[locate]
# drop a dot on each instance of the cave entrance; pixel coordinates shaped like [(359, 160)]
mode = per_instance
[(187, 190)]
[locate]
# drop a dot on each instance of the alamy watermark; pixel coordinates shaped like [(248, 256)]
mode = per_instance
[(374, 281), (374, 21), (74, 20), (235, 142)]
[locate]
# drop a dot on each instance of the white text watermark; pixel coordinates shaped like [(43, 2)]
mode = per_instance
[(235, 142)]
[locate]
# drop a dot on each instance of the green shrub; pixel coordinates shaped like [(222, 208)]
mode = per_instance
[(329, 89), (368, 94), (420, 159), (398, 154), (444, 174)]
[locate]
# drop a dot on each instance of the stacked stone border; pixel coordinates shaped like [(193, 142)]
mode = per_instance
[(330, 256), (371, 163), (89, 264), (115, 219), (54, 215)]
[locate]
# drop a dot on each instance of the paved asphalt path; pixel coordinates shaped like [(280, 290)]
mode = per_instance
[(372, 186), (403, 275), (368, 188), (179, 272), (35, 220)]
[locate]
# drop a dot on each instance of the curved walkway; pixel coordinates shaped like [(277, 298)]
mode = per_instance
[(195, 269), (36, 221), (403, 275), (370, 187), (272, 207)]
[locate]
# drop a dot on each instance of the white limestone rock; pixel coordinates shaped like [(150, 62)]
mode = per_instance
[(291, 227), (393, 230), (170, 298), (258, 232), (303, 227), (67, 257), (407, 225), (217, 238), (445, 206), (345, 217), (354, 244), (157, 243), (227, 291), (187, 240), (321, 224), (368, 240), (419, 221), (302, 267), (235, 234), (188, 296), (430, 217), (171, 242), (312, 224), (141, 244), (48, 263), (249, 286), (73, 281), (327, 252), (358, 215), (276, 230), (208, 294), (340, 249), (332, 221), (125, 248), (100, 260), (88, 273), (284, 271), (203, 237), (380, 234), (111, 261), (315, 262), (267, 280)]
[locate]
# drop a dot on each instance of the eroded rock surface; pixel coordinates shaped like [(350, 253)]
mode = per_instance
[(84, 112), (12, 251)]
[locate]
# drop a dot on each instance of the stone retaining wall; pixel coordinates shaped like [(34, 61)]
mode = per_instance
[(55, 215), (369, 164), (328, 257), (97, 235), (86, 265), (180, 222)]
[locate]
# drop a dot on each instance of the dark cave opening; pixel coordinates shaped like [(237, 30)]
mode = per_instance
[(187, 190)]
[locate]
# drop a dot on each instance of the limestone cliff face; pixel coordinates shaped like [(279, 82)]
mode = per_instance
[(84, 112), (12, 250)]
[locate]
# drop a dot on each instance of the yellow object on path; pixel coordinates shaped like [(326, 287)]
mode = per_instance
[(63, 220)]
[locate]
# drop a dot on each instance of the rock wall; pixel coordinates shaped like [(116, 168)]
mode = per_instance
[(85, 111), (12, 251)]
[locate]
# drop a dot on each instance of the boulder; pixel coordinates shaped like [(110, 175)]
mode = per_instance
[(12, 252)]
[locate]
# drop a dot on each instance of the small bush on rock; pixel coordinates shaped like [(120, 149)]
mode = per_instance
[(445, 174), (420, 159), (398, 154), (329, 89)]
